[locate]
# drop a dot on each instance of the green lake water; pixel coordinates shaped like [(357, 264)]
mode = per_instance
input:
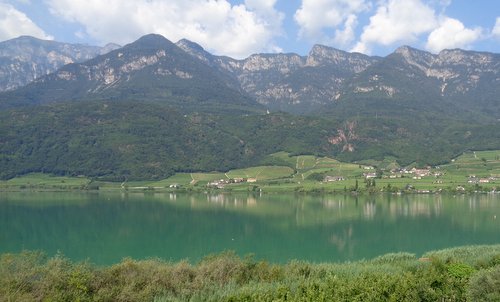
[(106, 227)]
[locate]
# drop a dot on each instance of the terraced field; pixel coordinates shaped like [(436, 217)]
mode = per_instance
[(303, 173)]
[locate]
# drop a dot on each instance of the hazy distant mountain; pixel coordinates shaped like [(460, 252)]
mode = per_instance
[(289, 82), (327, 76), (154, 68), (150, 69), (451, 81), (26, 58)]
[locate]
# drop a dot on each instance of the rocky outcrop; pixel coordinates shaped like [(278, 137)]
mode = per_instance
[(25, 59)]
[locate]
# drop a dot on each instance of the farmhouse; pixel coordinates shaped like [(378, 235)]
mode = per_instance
[(370, 175), (333, 178), (219, 184), (473, 179), (420, 172)]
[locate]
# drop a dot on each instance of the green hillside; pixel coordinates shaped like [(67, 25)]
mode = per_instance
[(120, 140), (470, 172), (129, 140)]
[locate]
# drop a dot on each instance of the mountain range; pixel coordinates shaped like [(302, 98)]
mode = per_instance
[(411, 105), (25, 59), (280, 82)]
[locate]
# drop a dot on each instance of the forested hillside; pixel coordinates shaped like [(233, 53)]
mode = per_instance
[(121, 140), (152, 108), (129, 140)]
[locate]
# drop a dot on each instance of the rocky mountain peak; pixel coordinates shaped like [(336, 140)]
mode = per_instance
[(109, 47), (415, 57), (320, 55), (190, 46), (453, 56), (26, 58), (151, 41), (195, 49), (463, 57), (280, 62)]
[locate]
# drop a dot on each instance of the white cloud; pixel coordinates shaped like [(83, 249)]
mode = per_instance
[(451, 33), (273, 19), (346, 37), (496, 28), (316, 17), (261, 5), (14, 23), (397, 21), (234, 30)]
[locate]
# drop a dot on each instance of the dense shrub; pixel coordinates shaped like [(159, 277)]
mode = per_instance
[(445, 276), (485, 285)]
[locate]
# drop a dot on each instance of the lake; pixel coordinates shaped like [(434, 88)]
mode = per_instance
[(106, 227)]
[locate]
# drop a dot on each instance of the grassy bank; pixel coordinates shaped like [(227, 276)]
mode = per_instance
[(459, 274), (471, 172)]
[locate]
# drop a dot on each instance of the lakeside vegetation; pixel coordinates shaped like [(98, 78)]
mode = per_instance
[(473, 171), (470, 273)]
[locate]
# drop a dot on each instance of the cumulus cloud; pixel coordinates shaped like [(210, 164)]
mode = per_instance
[(346, 36), (234, 30), (397, 21), (451, 33), (14, 23), (496, 28), (316, 17), (272, 19)]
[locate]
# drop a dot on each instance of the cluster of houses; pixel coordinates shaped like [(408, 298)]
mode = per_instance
[(333, 178), (394, 173), (414, 173), (219, 184), (473, 179)]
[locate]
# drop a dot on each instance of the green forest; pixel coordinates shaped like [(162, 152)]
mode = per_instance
[(129, 140)]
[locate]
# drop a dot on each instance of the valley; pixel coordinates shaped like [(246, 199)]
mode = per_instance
[(474, 171), (164, 152)]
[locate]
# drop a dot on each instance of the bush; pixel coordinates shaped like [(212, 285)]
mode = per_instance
[(31, 276), (485, 285)]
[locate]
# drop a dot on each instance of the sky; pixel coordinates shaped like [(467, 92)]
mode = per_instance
[(239, 28)]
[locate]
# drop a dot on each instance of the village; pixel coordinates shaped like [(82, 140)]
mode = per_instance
[(432, 175), (221, 183), (413, 173)]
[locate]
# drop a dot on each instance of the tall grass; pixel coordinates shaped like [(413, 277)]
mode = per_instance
[(460, 274)]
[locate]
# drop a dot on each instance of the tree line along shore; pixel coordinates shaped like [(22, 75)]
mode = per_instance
[(475, 171)]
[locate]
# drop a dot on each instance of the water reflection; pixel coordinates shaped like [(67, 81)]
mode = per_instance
[(280, 227)]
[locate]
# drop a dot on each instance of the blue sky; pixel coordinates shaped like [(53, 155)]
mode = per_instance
[(239, 28)]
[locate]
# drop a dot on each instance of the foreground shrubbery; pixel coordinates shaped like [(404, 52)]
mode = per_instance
[(460, 274)]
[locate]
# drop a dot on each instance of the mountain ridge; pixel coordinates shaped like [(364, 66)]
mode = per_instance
[(26, 58), (151, 68), (306, 84)]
